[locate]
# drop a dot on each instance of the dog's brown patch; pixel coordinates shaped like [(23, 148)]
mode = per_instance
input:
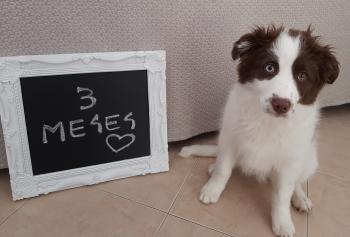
[(253, 49), (317, 62)]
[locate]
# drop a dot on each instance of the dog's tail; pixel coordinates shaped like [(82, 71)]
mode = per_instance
[(199, 150)]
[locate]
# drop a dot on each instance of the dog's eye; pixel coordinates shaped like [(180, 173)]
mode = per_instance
[(270, 68), (302, 76)]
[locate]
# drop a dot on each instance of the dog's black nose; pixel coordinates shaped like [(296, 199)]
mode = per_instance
[(280, 105)]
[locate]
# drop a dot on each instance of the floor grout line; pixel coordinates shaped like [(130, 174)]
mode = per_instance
[(195, 165), (202, 225), (132, 200), (13, 212), (161, 224), (144, 204), (333, 176), (183, 183)]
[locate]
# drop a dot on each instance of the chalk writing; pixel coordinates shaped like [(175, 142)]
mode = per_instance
[(111, 123), (94, 121), (119, 138), (89, 96), (52, 130), (72, 129), (128, 119)]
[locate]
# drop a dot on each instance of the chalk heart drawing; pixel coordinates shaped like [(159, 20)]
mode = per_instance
[(114, 146)]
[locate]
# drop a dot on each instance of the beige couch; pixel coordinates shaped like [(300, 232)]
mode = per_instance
[(197, 35)]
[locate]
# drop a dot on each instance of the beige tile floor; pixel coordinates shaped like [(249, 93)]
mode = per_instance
[(167, 204)]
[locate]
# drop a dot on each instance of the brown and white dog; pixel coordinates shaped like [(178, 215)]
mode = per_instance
[(269, 121)]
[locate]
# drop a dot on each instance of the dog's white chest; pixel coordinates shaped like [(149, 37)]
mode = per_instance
[(258, 152), (264, 144)]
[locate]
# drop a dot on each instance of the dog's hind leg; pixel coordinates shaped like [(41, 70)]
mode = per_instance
[(199, 150), (300, 201)]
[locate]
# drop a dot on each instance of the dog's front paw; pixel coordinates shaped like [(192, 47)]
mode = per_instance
[(209, 194), (283, 228), (302, 204)]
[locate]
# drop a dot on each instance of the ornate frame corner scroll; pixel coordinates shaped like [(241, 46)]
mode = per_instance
[(23, 183)]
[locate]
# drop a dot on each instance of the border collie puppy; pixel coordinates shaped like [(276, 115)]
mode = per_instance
[(270, 118)]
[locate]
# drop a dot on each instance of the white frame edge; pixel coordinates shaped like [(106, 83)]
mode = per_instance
[(23, 183)]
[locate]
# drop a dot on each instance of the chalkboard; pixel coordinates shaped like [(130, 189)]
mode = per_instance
[(79, 120), (71, 120)]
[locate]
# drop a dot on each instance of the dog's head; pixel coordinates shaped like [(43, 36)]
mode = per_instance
[(284, 67)]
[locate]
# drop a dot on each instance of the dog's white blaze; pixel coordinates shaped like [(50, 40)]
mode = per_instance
[(286, 48)]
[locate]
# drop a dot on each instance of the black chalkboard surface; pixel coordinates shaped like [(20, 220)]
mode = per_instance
[(79, 120)]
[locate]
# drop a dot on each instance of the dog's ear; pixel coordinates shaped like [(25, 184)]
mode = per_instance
[(242, 46), (328, 64), (258, 37), (329, 68)]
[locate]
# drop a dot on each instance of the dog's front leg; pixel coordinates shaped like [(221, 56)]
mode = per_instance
[(220, 174), (283, 184)]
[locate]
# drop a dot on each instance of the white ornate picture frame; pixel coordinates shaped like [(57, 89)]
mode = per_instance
[(23, 183)]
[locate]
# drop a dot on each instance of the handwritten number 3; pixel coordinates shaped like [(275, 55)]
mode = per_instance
[(87, 97)]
